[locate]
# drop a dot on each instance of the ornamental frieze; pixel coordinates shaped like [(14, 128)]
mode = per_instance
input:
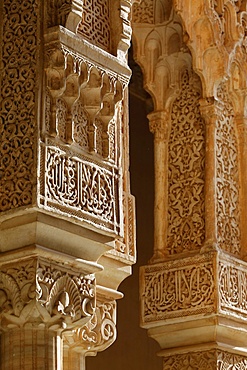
[(84, 189), (232, 288), (179, 288)]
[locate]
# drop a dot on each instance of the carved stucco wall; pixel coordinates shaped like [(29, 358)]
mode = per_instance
[(133, 350)]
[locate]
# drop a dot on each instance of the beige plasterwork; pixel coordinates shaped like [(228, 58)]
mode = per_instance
[(67, 217), (193, 58)]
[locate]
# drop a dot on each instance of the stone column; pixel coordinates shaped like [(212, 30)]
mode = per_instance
[(211, 111), (193, 303), (241, 123), (67, 227), (159, 126)]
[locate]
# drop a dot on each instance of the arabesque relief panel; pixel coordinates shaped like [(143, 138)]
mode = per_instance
[(18, 115), (186, 162), (212, 360)]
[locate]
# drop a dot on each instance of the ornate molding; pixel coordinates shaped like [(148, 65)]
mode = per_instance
[(98, 333), (178, 288), (212, 360), (60, 296), (224, 27), (163, 56)]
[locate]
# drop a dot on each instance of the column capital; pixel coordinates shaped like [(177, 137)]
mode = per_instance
[(159, 124), (210, 107), (41, 290)]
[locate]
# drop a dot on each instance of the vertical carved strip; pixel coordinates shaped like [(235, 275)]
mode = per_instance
[(17, 95), (228, 216), (186, 170), (242, 135), (210, 111), (159, 126)]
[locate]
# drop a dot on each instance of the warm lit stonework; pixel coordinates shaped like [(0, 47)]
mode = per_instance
[(67, 218), (193, 291)]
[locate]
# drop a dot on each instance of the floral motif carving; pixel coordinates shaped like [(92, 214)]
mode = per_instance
[(212, 360), (61, 116), (186, 170), (95, 24), (112, 140), (143, 12), (63, 293), (17, 97), (228, 216), (99, 136), (176, 289), (80, 125), (100, 331)]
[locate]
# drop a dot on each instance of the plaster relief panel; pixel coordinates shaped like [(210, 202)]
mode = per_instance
[(18, 122), (60, 294), (212, 360), (95, 24), (177, 289), (228, 215), (76, 186), (99, 332), (232, 291), (186, 170)]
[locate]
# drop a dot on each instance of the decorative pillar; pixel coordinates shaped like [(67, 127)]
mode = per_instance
[(193, 303), (210, 110), (67, 224), (159, 126)]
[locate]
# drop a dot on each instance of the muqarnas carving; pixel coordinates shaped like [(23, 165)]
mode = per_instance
[(81, 141)]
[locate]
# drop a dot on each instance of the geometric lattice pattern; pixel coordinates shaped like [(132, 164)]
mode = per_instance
[(95, 25)]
